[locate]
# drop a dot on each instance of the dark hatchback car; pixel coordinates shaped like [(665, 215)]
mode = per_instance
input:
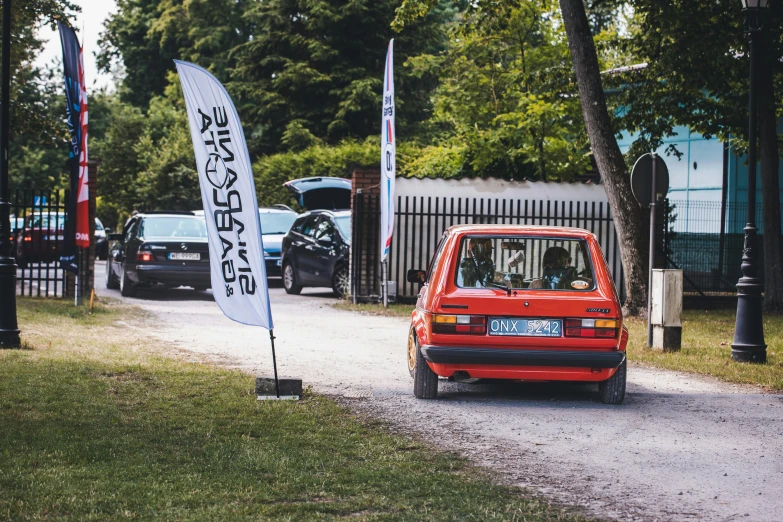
[(316, 251), (167, 249)]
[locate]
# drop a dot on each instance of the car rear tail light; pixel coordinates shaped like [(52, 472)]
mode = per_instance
[(28, 238), (459, 324), (601, 328)]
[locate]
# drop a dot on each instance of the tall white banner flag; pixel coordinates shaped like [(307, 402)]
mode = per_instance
[(236, 251), (388, 155)]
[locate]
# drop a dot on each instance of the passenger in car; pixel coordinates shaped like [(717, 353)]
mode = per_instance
[(558, 272)]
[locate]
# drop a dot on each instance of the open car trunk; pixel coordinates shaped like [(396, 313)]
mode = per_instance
[(321, 193)]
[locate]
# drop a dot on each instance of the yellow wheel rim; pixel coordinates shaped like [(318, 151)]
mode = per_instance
[(411, 350)]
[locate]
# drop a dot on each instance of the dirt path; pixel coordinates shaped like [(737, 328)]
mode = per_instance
[(680, 448)]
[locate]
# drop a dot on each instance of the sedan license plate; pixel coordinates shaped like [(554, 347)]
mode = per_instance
[(525, 327), (185, 256), (54, 238)]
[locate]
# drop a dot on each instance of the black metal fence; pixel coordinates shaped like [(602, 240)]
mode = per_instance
[(421, 220), (38, 226), (703, 238)]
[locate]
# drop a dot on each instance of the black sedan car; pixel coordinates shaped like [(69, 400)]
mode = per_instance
[(316, 250), (167, 249)]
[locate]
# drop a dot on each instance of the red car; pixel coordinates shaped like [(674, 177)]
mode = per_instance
[(517, 302), (41, 239)]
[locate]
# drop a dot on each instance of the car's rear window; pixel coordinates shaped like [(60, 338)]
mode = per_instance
[(276, 222), (524, 263), (179, 227)]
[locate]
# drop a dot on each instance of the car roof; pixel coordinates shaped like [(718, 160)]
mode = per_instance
[(335, 213), (173, 213), (276, 210), (535, 230)]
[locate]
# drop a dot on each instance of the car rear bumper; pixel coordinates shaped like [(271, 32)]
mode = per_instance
[(528, 365), (273, 266), (509, 357), (173, 275)]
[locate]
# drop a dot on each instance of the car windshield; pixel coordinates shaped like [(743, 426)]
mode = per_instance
[(180, 227), (524, 263), (46, 221), (344, 225), (276, 222)]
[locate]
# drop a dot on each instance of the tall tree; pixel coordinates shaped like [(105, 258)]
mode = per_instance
[(601, 132), (143, 37), (697, 76), (312, 70), (504, 101), (611, 163)]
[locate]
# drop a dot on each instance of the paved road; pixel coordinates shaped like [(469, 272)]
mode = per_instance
[(680, 448)]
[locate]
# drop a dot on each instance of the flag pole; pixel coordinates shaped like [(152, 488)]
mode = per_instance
[(274, 362)]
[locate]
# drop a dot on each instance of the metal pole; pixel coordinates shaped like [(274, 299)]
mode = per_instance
[(654, 198), (9, 330), (385, 287), (748, 345), (274, 362)]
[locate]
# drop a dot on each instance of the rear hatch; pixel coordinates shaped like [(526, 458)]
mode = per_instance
[(530, 319), (321, 193)]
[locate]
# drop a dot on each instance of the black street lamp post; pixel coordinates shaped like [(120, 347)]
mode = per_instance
[(748, 345), (9, 331)]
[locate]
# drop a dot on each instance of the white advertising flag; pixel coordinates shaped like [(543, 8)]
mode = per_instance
[(236, 251), (388, 155)]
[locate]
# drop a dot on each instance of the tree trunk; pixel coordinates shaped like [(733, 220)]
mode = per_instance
[(770, 188), (611, 164)]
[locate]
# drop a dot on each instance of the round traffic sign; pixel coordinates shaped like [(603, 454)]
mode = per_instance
[(641, 179)]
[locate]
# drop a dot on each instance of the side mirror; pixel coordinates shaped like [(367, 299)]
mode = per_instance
[(114, 237), (416, 276)]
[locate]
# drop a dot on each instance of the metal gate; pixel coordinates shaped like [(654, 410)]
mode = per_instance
[(421, 220), (38, 227)]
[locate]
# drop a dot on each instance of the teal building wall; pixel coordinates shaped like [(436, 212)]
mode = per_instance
[(696, 182)]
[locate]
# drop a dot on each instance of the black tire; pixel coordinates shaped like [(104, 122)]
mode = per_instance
[(612, 390), (425, 381), (290, 282), (111, 281), (200, 288), (341, 285), (127, 289)]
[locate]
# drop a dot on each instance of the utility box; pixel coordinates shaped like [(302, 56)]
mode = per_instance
[(391, 289), (666, 316)]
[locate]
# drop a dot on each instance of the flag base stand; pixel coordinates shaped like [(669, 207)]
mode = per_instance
[(290, 389)]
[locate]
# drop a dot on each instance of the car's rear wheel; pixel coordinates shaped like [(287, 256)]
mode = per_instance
[(127, 289), (341, 284), (425, 381), (289, 280), (412, 348), (612, 390), (111, 282)]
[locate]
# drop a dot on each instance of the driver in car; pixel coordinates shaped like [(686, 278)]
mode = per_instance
[(478, 269)]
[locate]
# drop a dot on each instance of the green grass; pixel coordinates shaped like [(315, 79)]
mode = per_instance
[(394, 309), (706, 348), (97, 422)]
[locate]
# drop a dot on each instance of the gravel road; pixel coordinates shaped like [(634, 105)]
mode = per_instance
[(681, 447)]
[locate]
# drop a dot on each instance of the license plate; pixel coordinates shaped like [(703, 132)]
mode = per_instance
[(525, 327), (53, 238), (185, 256)]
